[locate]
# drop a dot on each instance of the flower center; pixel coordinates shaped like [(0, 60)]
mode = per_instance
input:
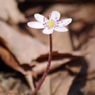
[(51, 24)]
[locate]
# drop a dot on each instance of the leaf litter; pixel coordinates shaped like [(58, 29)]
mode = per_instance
[(28, 53)]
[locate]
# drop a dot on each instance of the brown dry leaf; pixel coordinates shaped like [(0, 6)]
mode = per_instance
[(84, 38), (3, 91), (83, 35), (38, 34), (24, 47), (9, 11), (82, 26), (61, 82), (89, 50), (58, 60), (10, 60), (64, 9), (31, 11), (29, 78), (26, 51), (84, 12), (75, 11), (10, 82), (30, 46), (87, 42), (46, 87), (74, 66), (62, 41), (89, 87), (75, 40), (56, 79), (65, 85), (77, 26), (86, 35)]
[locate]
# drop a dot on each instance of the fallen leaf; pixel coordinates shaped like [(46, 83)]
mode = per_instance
[(56, 80), (12, 12), (3, 91), (46, 87), (31, 11), (10, 60), (61, 83), (89, 87), (24, 47), (74, 66), (30, 47), (28, 53), (84, 12), (77, 26), (89, 55), (58, 60)]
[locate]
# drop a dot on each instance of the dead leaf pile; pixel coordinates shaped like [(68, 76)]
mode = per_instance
[(26, 50), (3, 91)]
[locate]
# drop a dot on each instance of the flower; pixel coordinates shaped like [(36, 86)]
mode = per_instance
[(49, 25)]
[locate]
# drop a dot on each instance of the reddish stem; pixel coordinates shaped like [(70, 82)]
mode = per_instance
[(47, 68)]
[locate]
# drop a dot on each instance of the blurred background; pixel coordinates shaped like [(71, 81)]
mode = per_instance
[(24, 51)]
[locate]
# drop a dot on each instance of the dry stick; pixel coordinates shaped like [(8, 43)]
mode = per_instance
[(47, 68)]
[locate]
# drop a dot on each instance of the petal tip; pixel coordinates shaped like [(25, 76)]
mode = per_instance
[(70, 20), (28, 24), (35, 15), (47, 31)]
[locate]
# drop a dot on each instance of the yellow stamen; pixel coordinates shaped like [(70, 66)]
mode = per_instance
[(51, 24)]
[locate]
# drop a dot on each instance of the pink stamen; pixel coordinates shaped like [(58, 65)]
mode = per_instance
[(44, 19), (61, 21), (56, 18)]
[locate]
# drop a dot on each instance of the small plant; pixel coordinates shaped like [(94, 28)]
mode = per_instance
[(49, 25)]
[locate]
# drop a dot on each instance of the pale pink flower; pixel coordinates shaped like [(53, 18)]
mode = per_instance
[(49, 25)]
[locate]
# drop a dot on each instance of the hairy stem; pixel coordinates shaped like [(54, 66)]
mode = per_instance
[(47, 68)]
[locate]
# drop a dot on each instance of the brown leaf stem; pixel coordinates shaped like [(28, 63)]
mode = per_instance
[(47, 68)]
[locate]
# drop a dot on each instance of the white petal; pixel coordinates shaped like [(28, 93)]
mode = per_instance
[(64, 22), (60, 29), (55, 15), (40, 18), (47, 31), (37, 25)]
